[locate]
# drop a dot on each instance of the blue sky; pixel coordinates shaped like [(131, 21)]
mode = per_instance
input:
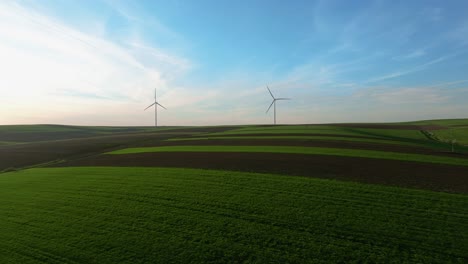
[(97, 62)]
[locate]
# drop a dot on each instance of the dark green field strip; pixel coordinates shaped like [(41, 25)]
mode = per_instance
[(301, 150), (156, 215), (386, 133), (325, 142), (342, 130), (44, 133), (271, 132), (303, 137)]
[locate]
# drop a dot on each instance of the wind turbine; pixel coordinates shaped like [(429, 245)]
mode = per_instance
[(274, 103), (155, 109)]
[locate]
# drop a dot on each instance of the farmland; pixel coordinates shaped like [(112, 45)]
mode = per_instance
[(307, 193), (300, 150), (141, 215)]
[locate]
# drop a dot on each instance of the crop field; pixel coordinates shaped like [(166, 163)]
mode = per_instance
[(288, 194), (300, 150), (460, 134), (456, 129), (155, 215)]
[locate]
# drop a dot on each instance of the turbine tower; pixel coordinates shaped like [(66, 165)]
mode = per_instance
[(155, 109), (274, 103)]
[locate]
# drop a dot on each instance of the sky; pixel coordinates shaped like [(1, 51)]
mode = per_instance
[(97, 62)]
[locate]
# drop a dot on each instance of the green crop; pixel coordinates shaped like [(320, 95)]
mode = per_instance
[(460, 134), (159, 215)]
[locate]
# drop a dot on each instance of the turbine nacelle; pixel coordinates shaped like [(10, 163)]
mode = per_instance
[(155, 103)]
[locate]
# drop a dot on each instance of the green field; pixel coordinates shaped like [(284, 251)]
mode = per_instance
[(301, 150), (158, 215), (154, 214), (327, 130), (454, 129), (460, 134), (303, 138), (383, 135), (441, 122)]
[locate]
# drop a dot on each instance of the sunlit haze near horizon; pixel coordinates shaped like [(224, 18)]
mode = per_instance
[(97, 62)]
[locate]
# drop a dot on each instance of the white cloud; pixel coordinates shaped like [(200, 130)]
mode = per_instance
[(47, 63)]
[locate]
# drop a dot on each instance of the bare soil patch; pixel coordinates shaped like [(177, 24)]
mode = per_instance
[(30, 154), (43, 136), (437, 177), (81, 144)]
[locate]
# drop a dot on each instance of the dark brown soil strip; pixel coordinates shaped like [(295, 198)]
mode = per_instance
[(19, 156), (437, 177), (24, 155)]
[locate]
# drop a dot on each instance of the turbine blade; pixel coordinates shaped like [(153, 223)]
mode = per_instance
[(270, 92), (150, 106), (270, 106), (161, 105), (283, 99)]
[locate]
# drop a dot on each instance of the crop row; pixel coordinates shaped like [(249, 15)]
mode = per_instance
[(136, 215)]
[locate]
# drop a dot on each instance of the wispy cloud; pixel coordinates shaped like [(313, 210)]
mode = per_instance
[(78, 94), (448, 84), (412, 55), (42, 57), (106, 75), (410, 70), (155, 57)]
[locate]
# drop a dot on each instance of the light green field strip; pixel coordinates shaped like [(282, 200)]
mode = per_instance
[(38, 128), (441, 122), (301, 150), (318, 138), (161, 215), (460, 134), (7, 143)]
